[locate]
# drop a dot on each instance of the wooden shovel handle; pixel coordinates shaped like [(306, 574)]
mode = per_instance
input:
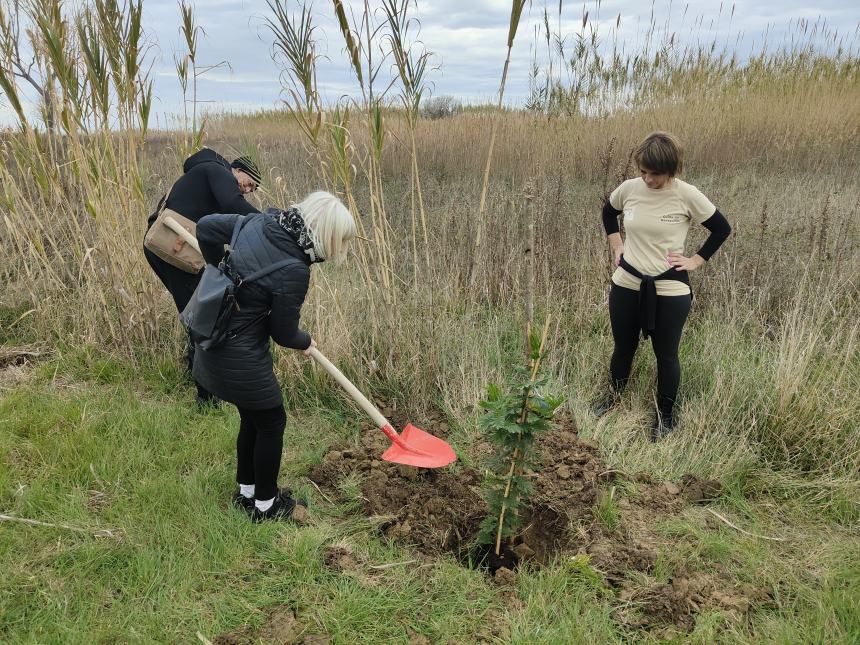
[(182, 232), (347, 385)]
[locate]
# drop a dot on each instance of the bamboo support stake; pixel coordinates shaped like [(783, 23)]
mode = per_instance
[(528, 253)]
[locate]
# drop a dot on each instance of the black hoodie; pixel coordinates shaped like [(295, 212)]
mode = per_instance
[(208, 186)]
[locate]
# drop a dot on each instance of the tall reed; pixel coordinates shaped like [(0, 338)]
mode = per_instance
[(771, 313), (73, 194), (516, 13)]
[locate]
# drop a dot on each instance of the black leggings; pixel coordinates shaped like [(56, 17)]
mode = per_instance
[(672, 313), (258, 449)]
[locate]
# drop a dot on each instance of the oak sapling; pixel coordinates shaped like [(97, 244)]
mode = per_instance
[(511, 422)]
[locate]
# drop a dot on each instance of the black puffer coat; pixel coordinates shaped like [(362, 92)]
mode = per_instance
[(240, 370)]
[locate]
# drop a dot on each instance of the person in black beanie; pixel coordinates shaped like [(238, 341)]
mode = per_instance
[(210, 184)]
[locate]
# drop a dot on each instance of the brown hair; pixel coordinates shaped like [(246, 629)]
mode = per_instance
[(660, 152)]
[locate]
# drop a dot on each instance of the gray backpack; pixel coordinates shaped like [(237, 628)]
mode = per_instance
[(209, 311)]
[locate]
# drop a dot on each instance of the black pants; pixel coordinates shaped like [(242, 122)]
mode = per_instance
[(258, 449), (181, 286), (672, 313)]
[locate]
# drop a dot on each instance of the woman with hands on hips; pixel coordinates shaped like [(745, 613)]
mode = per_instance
[(650, 290)]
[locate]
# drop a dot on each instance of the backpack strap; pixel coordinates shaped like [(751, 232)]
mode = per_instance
[(240, 223), (237, 227), (243, 219), (269, 269)]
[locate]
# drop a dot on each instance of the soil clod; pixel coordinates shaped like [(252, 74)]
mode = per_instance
[(505, 577)]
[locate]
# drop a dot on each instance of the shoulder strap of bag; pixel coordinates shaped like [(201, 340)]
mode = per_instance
[(267, 270), (240, 223), (243, 219), (237, 227), (163, 204)]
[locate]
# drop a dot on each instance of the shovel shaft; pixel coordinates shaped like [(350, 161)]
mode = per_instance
[(182, 232), (359, 398)]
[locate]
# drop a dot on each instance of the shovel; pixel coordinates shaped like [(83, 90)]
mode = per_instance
[(412, 447)]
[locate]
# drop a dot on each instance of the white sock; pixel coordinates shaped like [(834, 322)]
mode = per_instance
[(264, 505), (247, 490)]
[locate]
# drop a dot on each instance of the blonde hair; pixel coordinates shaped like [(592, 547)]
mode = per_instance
[(329, 223), (660, 152)]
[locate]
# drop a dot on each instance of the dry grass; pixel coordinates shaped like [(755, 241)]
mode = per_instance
[(771, 366)]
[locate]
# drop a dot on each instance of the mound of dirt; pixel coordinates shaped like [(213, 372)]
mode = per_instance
[(439, 511), (564, 491), (436, 510), (687, 593)]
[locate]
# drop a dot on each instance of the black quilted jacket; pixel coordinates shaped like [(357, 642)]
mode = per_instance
[(240, 371)]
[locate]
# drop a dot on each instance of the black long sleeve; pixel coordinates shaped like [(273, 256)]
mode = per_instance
[(286, 309), (213, 232), (225, 188), (720, 230), (610, 218)]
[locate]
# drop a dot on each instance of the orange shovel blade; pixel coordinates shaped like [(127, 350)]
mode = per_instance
[(414, 447)]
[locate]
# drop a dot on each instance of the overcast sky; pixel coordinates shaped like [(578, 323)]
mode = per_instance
[(467, 38)]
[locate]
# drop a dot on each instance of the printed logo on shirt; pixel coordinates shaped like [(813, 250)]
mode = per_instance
[(628, 215), (671, 218)]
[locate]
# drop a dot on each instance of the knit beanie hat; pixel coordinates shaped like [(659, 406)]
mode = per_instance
[(247, 166)]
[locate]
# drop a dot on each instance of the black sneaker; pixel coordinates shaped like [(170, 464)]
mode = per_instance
[(244, 503), (663, 425), (281, 508)]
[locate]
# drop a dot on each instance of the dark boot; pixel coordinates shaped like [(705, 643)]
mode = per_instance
[(244, 503), (609, 400), (664, 421)]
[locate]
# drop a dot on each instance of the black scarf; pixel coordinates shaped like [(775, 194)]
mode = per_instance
[(293, 223)]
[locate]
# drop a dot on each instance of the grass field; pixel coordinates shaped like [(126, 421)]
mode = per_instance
[(115, 492), (89, 444)]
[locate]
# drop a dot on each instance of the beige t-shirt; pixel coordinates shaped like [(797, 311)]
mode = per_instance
[(656, 221)]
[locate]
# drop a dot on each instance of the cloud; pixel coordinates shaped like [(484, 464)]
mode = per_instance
[(468, 39)]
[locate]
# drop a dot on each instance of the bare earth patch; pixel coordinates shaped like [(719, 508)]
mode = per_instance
[(282, 627), (439, 511), (16, 363)]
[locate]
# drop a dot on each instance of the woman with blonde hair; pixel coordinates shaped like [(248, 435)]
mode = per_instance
[(240, 370), (651, 287)]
